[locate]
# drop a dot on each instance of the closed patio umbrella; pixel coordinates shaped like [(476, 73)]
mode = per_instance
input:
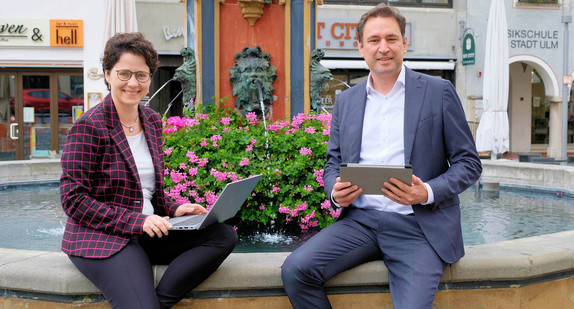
[(120, 17), (493, 133)]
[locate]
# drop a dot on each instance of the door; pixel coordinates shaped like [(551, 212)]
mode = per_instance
[(42, 109), (8, 125)]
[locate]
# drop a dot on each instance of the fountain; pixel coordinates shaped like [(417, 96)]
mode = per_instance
[(492, 275)]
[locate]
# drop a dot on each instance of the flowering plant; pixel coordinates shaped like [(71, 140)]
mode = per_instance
[(217, 146)]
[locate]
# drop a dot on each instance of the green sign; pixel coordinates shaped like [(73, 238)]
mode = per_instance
[(468, 49)]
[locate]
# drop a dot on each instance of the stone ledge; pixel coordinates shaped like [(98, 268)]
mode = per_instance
[(516, 260), (529, 174)]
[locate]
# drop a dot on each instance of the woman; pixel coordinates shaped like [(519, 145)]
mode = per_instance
[(112, 191)]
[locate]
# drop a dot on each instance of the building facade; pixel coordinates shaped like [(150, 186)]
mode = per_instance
[(436, 31), (50, 68)]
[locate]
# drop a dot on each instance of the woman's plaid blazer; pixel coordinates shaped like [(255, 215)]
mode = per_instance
[(100, 187)]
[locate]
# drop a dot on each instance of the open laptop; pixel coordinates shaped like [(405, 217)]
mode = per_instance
[(226, 206)]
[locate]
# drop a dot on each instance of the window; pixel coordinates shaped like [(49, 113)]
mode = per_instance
[(422, 3), (545, 3)]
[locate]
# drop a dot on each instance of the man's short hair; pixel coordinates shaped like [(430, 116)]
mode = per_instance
[(382, 10)]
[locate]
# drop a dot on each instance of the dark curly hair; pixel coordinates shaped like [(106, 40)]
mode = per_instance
[(382, 10), (134, 43)]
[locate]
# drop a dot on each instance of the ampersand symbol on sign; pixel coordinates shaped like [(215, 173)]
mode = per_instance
[(36, 36)]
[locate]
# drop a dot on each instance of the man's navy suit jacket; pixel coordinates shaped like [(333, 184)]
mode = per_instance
[(438, 145)]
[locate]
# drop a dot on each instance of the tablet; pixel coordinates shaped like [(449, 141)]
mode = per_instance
[(372, 177)]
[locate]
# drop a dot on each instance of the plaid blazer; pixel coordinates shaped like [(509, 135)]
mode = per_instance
[(100, 187)]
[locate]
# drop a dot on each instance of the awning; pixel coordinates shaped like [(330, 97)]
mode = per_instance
[(411, 64)]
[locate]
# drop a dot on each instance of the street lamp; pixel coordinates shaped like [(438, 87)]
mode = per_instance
[(566, 19)]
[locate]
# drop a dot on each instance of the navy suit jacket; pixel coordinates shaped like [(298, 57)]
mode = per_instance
[(438, 145), (100, 188)]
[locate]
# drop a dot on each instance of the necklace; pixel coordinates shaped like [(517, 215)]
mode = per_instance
[(131, 128)]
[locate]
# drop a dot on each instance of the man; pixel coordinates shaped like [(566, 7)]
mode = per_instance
[(396, 117)]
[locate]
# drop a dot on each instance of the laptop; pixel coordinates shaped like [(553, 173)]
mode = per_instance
[(226, 206)]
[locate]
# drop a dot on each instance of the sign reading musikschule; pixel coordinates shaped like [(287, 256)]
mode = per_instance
[(41, 32)]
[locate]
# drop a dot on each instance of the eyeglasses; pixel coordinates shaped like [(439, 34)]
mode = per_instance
[(141, 76)]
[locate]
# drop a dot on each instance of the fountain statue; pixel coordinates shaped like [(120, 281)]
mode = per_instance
[(251, 67), (319, 75), (185, 75)]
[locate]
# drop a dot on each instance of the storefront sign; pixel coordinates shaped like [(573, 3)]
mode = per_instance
[(341, 33), (24, 32), (468, 49), (66, 33), (541, 39), (41, 32), (169, 34)]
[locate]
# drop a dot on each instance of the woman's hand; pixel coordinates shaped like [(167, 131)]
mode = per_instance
[(189, 209), (156, 226)]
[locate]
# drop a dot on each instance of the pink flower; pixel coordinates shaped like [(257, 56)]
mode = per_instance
[(308, 188), (214, 139), (335, 213), (168, 151), (225, 121), (244, 161), (326, 204), (176, 176), (310, 130), (262, 207), (252, 117), (193, 171), (250, 147), (182, 166), (203, 143), (275, 189), (202, 162), (192, 157), (305, 151), (319, 177), (277, 172)]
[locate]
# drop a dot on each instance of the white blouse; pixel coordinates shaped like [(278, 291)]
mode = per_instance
[(144, 164)]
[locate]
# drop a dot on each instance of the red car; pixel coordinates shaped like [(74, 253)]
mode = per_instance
[(40, 100)]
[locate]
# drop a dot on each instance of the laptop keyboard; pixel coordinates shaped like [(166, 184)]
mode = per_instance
[(192, 220)]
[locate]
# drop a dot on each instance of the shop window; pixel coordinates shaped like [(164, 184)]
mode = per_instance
[(545, 3)]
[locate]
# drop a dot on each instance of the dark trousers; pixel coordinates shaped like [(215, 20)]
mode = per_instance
[(126, 278), (414, 267)]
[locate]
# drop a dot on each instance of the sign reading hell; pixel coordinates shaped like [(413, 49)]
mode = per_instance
[(66, 33)]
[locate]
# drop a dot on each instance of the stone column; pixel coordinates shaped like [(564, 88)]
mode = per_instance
[(555, 128)]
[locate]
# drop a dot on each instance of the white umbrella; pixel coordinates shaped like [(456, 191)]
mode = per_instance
[(120, 17), (493, 133)]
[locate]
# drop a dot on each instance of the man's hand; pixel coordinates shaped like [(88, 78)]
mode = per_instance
[(345, 193), (404, 194)]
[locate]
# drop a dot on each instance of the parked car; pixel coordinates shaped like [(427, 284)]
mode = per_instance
[(40, 100)]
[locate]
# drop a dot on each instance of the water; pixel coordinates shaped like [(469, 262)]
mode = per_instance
[(31, 218)]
